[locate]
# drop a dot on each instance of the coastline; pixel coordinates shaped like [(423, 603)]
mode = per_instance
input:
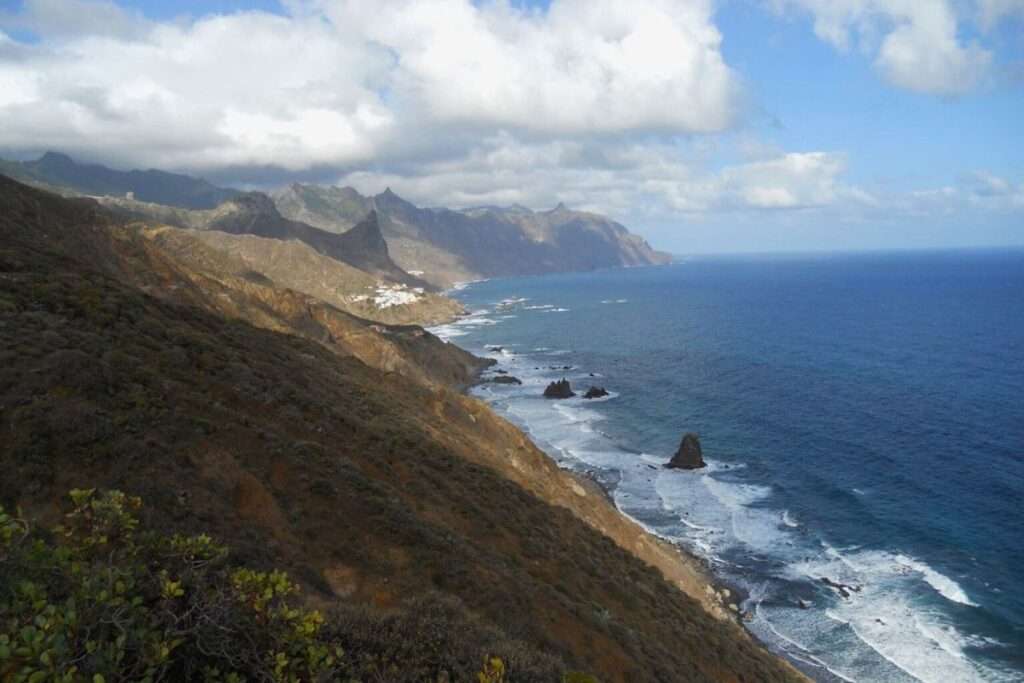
[(834, 597), (591, 501)]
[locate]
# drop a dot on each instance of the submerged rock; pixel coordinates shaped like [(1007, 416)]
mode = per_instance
[(689, 456), (595, 392), (559, 389), (843, 589), (505, 379)]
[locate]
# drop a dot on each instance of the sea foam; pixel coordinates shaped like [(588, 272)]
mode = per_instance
[(889, 626)]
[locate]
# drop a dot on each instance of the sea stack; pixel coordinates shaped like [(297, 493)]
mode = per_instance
[(595, 392), (689, 456), (560, 389)]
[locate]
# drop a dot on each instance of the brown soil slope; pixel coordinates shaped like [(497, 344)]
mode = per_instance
[(296, 265), (180, 266), (353, 479), (254, 213)]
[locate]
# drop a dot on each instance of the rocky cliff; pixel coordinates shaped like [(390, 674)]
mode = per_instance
[(449, 246), (230, 405)]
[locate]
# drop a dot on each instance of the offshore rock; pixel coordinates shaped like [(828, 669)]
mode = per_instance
[(560, 389), (689, 456), (595, 392)]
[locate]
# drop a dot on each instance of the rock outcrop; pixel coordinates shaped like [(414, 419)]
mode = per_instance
[(595, 392), (559, 389), (689, 455), (505, 379)]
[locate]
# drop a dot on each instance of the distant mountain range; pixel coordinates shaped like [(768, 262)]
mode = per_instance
[(63, 174), (449, 245), (440, 246)]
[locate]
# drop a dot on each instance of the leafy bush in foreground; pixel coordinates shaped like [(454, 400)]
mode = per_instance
[(99, 600)]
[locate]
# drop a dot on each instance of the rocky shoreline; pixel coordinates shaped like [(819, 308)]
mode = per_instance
[(692, 573)]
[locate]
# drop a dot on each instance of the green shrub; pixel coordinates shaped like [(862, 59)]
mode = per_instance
[(98, 600), (577, 677)]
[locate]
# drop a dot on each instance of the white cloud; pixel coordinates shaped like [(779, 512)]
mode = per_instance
[(632, 181), (915, 44), (989, 190), (980, 193), (584, 66), (790, 181), (991, 12), (69, 18), (343, 82), (597, 103)]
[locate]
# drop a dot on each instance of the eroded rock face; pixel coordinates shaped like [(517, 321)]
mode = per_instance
[(559, 389), (689, 456), (595, 392)]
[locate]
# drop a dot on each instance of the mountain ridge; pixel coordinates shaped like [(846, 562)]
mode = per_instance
[(59, 171), (446, 245), (452, 245), (254, 213)]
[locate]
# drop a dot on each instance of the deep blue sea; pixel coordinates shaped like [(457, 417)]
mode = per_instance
[(863, 420)]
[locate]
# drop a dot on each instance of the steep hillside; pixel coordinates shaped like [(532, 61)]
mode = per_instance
[(296, 265), (327, 207), (254, 213), (372, 488), (61, 171), (450, 246)]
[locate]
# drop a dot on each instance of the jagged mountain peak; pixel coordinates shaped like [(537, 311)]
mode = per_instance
[(389, 198), (258, 202), (367, 233)]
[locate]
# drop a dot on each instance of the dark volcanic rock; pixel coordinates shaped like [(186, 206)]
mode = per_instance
[(842, 588), (505, 379), (560, 389), (595, 392), (689, 456)]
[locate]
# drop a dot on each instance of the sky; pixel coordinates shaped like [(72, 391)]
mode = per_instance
[(707, 126)]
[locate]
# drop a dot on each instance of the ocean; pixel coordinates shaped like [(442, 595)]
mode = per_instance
[(863, 422)]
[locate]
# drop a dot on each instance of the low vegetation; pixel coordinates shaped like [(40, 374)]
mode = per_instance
[(97, 598)]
